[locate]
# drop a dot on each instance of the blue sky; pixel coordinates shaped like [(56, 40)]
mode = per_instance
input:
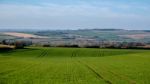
[(75, 14)]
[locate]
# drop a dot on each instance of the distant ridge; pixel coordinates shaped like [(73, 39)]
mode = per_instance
[(109, 29), (146, 30), (84, 29), (101, 29)]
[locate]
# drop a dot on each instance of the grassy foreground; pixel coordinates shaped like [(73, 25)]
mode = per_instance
[(74, 66)]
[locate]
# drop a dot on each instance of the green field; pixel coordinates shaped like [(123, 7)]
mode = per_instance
[(74, 66)]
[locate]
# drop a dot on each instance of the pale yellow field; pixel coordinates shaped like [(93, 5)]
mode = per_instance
[(6, 46), (24, 35)]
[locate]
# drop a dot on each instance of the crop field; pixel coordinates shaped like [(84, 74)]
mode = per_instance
[(74, 66)]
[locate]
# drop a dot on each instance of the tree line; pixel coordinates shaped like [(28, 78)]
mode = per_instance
[(16, 43)]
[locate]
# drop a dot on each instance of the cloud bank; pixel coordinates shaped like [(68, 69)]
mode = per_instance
[(74, 16)]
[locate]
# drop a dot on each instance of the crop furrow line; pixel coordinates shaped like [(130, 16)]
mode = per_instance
[(6, 72), (44, 53), (96, 73), (19, 71), (74, 54), (123, 77)]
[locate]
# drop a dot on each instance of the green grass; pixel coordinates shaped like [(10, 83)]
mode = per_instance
[(74, 66)]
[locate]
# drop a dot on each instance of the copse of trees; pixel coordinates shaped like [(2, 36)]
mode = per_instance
[(123, 45), (71, 46), (16, 43), (46, 45)]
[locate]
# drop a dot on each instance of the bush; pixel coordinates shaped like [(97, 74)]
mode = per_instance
[(46, 45)]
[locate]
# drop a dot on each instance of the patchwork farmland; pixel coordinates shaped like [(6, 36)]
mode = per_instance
[(74, 66)]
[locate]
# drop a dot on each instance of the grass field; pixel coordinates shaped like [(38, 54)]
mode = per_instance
[(74, 66)]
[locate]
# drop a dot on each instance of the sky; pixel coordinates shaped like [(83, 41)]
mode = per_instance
[(75, 14)]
